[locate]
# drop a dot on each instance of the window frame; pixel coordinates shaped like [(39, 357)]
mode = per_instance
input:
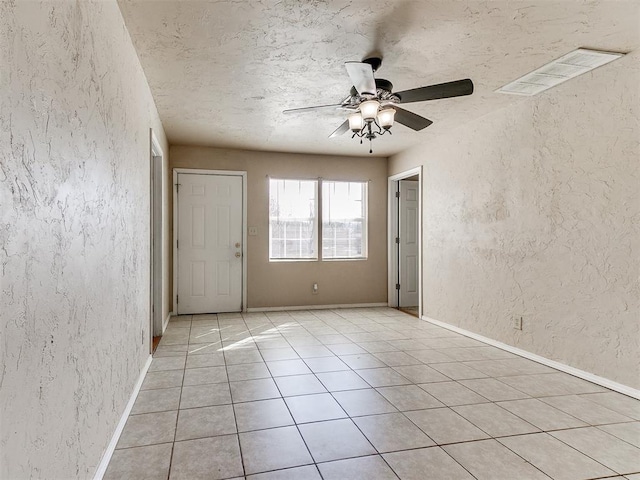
[(316, 216), (365, 223), (319, 220)]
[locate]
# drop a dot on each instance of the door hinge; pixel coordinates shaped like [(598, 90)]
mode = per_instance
[(178, 187), (177, 243), (397, 194), (397, 286), (177, 298), (398, 240)]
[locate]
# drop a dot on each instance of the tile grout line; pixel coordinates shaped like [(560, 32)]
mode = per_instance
[(390, 323), (320, 421), (353, 422), (587, 455), (450, 408), (233, 408), (436, 444), (582, 453), (351, 419), (173, 443), (292, 418), (175, 432)]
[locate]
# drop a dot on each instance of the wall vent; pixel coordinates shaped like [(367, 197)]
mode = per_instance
[(558, 71)]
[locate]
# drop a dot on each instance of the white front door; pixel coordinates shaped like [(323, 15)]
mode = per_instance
[(408, 247), (209, 243)]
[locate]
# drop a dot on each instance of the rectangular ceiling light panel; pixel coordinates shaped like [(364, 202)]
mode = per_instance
[(554, 73)]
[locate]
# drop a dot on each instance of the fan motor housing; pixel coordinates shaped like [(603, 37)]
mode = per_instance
[(375, 62)]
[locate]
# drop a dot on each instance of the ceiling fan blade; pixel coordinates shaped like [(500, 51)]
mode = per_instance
[(411, 120), (434, 92), (361, 75), (344, 128), (310, 109)]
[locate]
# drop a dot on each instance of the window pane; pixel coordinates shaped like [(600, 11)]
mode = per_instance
[(344, 222), (292, 219)]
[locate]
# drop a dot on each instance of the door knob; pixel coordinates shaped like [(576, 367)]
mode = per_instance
[(238, 254), (238, 245)]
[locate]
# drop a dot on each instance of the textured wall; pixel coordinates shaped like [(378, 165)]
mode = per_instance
[(277, 284), (534, 211), (74, 231)]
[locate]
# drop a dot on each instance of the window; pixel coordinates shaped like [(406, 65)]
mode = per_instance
[(293, 219), (344, 220)]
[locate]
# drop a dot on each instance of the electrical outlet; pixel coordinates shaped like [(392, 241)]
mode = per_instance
[(314, 289), (517, 323)]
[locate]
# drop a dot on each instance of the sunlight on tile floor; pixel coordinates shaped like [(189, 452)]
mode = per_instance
[(364, 394)]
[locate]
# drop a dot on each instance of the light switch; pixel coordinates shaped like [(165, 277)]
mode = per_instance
[(253, 231)]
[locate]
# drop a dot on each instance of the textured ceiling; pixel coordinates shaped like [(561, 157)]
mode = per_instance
[(221, 72)]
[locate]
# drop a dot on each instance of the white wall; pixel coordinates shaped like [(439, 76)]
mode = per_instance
[(74, 230), (535, 211)]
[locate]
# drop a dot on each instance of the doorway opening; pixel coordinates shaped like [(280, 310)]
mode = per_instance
[(156, 192), (405, 242), (209, 231)]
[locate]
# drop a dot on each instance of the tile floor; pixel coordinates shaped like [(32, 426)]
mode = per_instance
[(364, 394)]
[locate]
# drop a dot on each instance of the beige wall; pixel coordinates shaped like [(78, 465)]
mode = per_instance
[(281, 284), (74, 228), (534, 212)]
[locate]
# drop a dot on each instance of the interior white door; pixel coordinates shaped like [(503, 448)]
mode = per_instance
[(209, 243), (408, 246)]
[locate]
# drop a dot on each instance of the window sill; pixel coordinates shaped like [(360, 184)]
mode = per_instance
[(292, 260), (359, 259), (306, 260)]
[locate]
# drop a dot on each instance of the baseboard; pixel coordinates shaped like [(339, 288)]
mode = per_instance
[(590, 377), (316, 307), (106, 457)]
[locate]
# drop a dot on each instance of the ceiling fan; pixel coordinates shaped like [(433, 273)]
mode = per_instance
[(373, 106)]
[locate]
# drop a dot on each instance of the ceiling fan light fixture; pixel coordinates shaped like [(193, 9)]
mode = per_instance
[(355, 122), (369, 110), (385, 118), (372, 104)]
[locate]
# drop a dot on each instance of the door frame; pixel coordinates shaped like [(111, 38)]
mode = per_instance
[(392, 233), (156, 222), (228, 173)]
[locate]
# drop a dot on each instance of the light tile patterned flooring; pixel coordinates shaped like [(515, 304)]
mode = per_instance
[(364, 394)]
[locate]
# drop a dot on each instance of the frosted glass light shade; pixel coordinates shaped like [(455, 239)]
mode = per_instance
[(355, 122), (385, 118), (369, 110)]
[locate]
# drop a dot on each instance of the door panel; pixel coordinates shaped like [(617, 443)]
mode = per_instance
[(209, 243), (197, 226), (223, 216), (411, 283), (224, 278), (408, 250), (197, 279)]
